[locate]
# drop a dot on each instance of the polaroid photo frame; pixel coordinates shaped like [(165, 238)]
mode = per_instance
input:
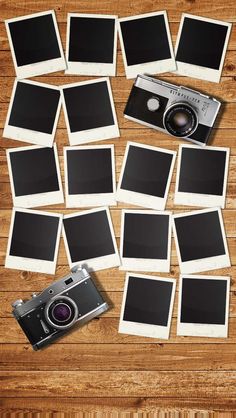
[(90, 176), (145, 240), (138, 59), (91, 44), (203, 308), (195, 35), (145, 176), (200, 240), (33, 241), (35, 177), (36, 121), (89, 239), (89, 111), (201, 178), (43, 57), (147, 306)]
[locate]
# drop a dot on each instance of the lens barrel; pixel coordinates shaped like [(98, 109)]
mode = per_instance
[(180, 120)]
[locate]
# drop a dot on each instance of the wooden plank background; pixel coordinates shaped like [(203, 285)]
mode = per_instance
[(96, 369)]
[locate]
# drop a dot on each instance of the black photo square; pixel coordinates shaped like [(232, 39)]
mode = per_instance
[(145, 240), (200, 241), (34, 107), (90, 175), (201, 47), (147, 306), (33, 240), (89, 236), (34, 176), (35, 44), (203, 301), (91, 39), (203, 309), (202, 176), (34, 40), (146, 44), (33, 112), (145, 176), (89, 111)]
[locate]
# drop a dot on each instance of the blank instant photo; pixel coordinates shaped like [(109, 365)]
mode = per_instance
[(146, 44), (33, 240), (147, 306), (89, 111), (34, 176), (145, 176), (145, 240), (35, 44), (89, 239), (91, 44), (33, 112), (201, 178), (200, 240), (203, 306), (201, 46), (90, 176)]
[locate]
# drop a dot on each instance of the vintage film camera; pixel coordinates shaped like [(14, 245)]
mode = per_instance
[(74, 299), (177, 110)]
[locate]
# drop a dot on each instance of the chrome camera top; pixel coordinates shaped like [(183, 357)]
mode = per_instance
[(177, 110), (50, 314)]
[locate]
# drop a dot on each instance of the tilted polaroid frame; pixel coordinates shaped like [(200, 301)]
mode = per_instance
[(208, 263), (91, 68), (28, 135), (141, 199), (42, 67), (96, 134), (36, 199), (90, 199), (32, 264), (197, 71), (97, 263), (153, 67), (144, 264), (143, 329), (201, 199), (203, 330)]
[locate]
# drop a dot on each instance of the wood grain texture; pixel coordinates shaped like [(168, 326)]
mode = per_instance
[(94, 369)]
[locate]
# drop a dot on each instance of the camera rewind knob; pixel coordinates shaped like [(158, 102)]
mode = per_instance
[(17, 303), (153, 104), (34, 294)]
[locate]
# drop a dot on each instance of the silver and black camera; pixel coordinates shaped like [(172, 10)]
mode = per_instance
[(177, 110), (74, 299)]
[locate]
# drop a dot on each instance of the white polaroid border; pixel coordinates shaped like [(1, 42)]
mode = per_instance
[(97, 263), (203, 330), (42, 67), (91, 199), (153, 67), (144, 264), (91, 68), (28, 135), (200, 199), (197, 71), (37, 199), (31, 264), (142, 199), (143, 329), (202, 264), (96, 134)]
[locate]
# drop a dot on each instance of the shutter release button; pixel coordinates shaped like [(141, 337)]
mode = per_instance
[(153, 104)]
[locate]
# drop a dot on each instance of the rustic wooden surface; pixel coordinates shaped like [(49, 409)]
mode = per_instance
[(96, 369)]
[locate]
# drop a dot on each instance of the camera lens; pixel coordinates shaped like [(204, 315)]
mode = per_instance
[(61, 312), (180, 120)]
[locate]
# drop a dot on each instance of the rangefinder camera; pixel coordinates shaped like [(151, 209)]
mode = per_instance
[(176, 110), (74, 299)]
